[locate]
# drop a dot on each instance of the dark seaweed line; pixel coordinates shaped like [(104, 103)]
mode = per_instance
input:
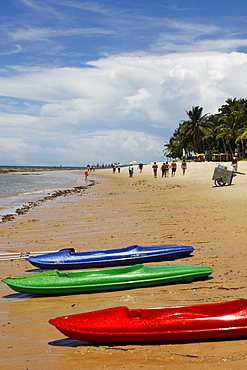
[(78, 190)]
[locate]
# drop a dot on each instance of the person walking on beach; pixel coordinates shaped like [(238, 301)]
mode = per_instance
[(163, 170), (140, 167), (86, 174), (131, 171), (235, 163), (167, 169), (174, 168), (155, 169), (183, 166)]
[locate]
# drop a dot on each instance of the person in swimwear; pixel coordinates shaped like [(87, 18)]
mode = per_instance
[(167, 169), (184, 167), (174, 168), (163, 171), (155, 169)]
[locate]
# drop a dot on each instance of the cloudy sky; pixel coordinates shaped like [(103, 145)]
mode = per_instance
[(109, 81)]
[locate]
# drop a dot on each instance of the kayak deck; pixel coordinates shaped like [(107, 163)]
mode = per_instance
[(56, 282), (178, 323), (67, 259)]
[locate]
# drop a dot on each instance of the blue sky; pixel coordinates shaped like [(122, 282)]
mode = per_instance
[(109, 81)]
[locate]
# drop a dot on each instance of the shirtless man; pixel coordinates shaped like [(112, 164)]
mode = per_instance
[(165, 169), (155, 169), (174, 168)]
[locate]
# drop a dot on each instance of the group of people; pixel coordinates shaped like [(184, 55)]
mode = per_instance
[(116, 166), (131, 169), (165, 167)]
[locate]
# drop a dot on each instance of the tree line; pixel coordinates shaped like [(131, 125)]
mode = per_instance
[(224, 132)]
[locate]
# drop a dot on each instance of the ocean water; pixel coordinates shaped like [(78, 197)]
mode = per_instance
[(18, 189)]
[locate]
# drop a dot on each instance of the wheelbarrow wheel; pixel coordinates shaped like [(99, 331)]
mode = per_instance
[(219, 182)]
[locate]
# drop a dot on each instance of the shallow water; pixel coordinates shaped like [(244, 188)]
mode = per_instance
[(17, 189)]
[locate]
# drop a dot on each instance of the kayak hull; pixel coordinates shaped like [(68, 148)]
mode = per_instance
[(135, 254), (163, 324), (56, 282)]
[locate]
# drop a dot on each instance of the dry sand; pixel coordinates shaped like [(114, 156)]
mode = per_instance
[(116, 212)]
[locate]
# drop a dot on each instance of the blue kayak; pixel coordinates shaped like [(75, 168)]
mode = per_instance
[(68, 259)]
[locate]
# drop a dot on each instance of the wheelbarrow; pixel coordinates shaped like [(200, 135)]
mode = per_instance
[(223, 175)]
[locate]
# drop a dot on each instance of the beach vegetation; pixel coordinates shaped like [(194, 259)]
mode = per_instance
[(223, 133)]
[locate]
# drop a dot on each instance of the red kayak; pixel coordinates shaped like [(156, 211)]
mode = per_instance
[(162, 324)]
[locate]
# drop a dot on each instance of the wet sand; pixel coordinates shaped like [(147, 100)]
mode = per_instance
[(116, 212)]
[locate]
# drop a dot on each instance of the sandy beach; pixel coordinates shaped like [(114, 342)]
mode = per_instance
[(120, 211)]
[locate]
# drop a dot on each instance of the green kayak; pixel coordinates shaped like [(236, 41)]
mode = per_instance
[(55, 282)]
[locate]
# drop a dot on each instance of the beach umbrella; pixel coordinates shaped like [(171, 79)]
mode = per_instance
[(132, 162)]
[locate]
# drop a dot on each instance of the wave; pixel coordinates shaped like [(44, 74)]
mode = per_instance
[(41, 191)]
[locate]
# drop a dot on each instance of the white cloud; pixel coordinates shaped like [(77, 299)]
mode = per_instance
[(114, 145), (136, 101), (17, 120), (17, 49), (13, 151), (36, 34), (117, 108)]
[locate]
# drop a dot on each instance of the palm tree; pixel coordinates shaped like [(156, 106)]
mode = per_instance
[(232, 123), (173, 148), (212, 141), (211, 133), (195, 129)]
